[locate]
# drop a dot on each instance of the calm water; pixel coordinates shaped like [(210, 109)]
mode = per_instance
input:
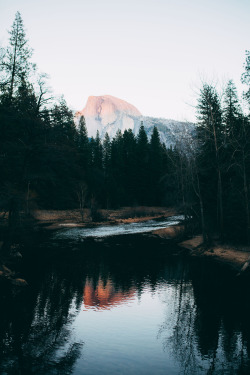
[(124, 305)]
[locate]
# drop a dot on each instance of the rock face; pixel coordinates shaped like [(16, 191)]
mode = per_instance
[(109, 114)]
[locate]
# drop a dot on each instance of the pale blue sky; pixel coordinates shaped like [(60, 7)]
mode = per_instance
[(152, 53)]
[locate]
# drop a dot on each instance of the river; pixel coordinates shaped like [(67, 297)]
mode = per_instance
[(120, 229), (127, 304)]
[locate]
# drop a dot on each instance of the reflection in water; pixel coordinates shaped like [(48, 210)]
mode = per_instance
[(158, 314), (104, 295), (35, 331), (207, 330)]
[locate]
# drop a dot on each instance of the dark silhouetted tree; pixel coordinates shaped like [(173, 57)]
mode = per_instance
[(210, 161), (15, 65)]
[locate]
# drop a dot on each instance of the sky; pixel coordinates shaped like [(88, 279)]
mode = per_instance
[(155, 54)]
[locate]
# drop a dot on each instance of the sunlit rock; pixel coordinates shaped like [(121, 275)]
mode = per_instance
[(108, 114)]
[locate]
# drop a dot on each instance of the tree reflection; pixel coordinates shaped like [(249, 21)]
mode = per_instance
[(35, 331), (208, 324), (207, 328), (36, 325), (179, 326)]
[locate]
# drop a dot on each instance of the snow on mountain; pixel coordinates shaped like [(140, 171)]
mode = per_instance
[(170, 131), (109, 114)]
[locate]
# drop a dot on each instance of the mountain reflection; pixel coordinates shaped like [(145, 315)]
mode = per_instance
[(104, 295), (52, 327)]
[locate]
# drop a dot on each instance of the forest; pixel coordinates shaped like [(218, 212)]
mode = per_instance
[(47, 162)]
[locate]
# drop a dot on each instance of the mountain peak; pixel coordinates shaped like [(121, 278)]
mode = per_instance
[(106, 104), (107, 113)]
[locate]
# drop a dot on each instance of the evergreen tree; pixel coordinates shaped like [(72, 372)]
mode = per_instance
[(211, 136), (245, 78), (237, 166), (15, 65), (107, 169), (64, 129), (91, 151), (142, 162), (96, 182), (106, 154), (142, 141), (155, 166), (232, 113), (83, 143), (117, 169), (98, 156), (129, 166), (25, 103)]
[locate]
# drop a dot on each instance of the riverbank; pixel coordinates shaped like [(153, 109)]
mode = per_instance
[(175, 232), (235, 257), (57, 219), (42, 223), (230, 255)]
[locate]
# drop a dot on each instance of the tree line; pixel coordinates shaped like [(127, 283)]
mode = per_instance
[(125, 171), (48, 162), (216, 164)]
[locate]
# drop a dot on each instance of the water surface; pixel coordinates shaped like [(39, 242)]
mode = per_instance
[(119, 229), (128, 305)]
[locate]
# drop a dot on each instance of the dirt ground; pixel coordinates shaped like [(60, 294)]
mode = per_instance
[(174, 232), (236, 257)]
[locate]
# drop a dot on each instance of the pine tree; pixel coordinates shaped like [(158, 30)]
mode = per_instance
[(117, 169), (245, 78), (155, 166), (107, 169), (64, 130), (211, 136), (129, 166), (106, 153), (98, 152), (15, 65), (237, 165), (142, 162), (232, 113), (25, 102), (83, 143)]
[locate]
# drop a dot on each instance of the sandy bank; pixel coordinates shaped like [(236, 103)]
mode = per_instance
[(174, 232), (236, 257)]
